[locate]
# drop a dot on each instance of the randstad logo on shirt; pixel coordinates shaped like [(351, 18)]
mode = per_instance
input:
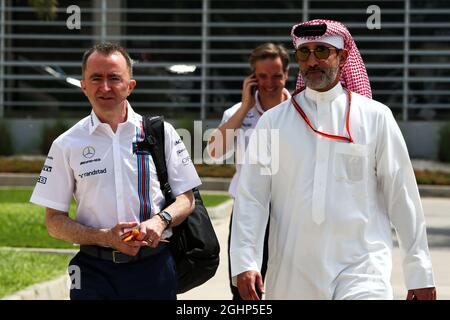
[(92, 173)]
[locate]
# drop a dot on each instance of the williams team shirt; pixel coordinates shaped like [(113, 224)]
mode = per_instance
[(109, 181)]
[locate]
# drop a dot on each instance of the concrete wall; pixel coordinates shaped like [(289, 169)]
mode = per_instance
[(422, 137), (27, 133)]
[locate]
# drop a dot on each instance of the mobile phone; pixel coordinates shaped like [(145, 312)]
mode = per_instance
[(254, 88)]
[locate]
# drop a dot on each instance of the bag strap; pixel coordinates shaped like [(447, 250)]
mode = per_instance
[(154, 137)]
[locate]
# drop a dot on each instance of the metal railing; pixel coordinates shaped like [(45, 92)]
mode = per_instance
[(407, 59)]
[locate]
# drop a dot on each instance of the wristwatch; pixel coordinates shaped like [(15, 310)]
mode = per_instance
[(166, 217)]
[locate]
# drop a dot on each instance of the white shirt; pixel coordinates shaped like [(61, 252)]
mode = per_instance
[(248, 124), (331, 203), (109, 182)]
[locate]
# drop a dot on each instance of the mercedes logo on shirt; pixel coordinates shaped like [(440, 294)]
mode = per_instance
[(88, 152)]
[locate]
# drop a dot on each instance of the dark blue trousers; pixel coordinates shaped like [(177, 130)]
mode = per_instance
[(149, 278)]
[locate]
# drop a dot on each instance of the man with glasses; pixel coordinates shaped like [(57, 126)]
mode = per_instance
[(344, 177), (261, 90)]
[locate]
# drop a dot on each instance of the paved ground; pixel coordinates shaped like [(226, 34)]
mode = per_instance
[(437, 211), (217, 287)]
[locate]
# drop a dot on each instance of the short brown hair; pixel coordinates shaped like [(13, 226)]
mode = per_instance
[(272, 51), (107, 48)]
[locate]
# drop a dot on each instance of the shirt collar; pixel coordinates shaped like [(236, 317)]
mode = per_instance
[(258, 106), (132, 118), (94, 122), (326, 96)]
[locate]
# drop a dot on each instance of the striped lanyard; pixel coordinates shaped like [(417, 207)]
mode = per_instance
[(324, 134)]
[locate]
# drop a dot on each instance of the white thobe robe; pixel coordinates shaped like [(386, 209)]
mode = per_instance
[(332, 202)]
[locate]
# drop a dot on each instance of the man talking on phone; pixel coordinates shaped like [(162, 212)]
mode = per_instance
[(261, 91)]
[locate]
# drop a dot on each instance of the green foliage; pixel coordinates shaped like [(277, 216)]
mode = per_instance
[(50, 133), (45, 9), (22, 224), (19, 270), (212, 200), (186, 123), (217, 170), (444, 143), (15, 195), (21, 165), (183, 125), (437, 178), (5, 140)]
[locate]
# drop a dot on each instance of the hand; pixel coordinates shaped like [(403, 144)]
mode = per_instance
[(248, 282), (116, 233), (151, 231), (248, 96), (130, 235), (422, 294)]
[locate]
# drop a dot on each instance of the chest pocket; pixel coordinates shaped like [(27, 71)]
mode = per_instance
[(351, 161)]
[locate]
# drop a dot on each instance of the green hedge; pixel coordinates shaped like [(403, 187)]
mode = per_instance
[(19, 270), (5, 140), (444, 143), (50, 133)]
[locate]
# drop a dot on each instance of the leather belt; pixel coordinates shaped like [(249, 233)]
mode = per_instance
[(115, 256)]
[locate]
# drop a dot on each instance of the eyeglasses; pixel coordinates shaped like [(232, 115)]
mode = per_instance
[(321, 53)]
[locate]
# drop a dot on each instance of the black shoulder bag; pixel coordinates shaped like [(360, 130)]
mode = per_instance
[(194, 243)]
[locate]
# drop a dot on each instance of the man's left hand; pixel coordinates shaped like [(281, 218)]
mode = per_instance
[(151, 231), (422, 294)]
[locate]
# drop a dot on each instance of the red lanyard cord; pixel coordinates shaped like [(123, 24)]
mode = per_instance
[(327, 135)]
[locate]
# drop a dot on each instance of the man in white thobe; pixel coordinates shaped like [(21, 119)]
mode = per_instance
[(342, 177), (262, 90)]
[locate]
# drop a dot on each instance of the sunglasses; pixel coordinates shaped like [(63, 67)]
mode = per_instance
[(321, 53)]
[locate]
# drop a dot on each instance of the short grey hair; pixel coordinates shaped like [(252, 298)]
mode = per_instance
[(107, 48)]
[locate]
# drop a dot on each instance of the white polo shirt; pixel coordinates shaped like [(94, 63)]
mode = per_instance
[(248, 124), (109, 182)]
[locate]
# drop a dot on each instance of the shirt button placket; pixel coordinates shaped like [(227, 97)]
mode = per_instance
[(118, 178), (321, 171)]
